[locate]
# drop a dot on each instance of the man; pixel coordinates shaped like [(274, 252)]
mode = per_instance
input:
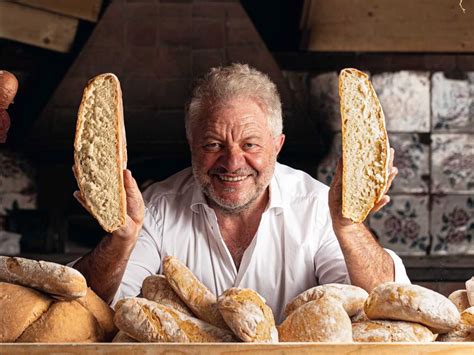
[(237, 217)]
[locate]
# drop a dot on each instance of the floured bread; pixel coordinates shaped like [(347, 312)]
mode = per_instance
[(365, 147), (390, 331), (470, 290), (464, 331), (460, 300), (99, 151)]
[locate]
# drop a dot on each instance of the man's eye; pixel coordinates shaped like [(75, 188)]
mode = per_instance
[(249, 145), (212, 146)]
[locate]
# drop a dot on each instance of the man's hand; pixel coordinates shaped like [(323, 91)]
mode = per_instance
[(135, 209), (335, 195)]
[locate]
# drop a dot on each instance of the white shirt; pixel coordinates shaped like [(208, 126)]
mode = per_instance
[(293, 250)]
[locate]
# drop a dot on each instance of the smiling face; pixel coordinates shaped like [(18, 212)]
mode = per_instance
[(234, 155)]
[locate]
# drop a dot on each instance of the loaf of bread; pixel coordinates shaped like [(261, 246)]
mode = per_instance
[(460, 300), (123, 337), (100, 153), (360, 316), (324, 320), (365, 146), (470, 290), (247, 315), (19, 308), (64, 322), (101, 311), (148, 321), (412, 303), (351, 297), (201, 301), (157, 288), (60, 281), (464, 331), (390, 331)]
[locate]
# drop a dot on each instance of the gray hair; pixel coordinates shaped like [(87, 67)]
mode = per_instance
[(235, 81)]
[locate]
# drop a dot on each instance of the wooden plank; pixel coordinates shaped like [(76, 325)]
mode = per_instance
[(36, 27), (242, 348), (83, 9), (391, 26)]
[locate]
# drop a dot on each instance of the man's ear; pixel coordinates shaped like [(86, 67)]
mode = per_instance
[(279, 141)]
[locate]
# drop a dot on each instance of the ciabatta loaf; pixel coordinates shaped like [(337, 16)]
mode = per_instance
[(365, 146), (464, 331), (99, 151), (390, 331)]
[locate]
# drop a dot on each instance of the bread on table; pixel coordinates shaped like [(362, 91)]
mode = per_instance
[(19, 307), (55, 279), (464, 331), (360, 316), (248, 316), (460, 300), (470, 290), (324, 320), (412, 303), (99, 151), (390, 331), (157, 288), (64, 322), (351, 297), (201, 301), (122, 337), (148, 321), (365, 146)]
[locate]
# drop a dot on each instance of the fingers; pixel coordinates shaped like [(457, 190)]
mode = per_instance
[(135, 204), (382, 202)]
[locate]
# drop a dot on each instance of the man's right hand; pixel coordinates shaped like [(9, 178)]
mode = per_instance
[(135, 210)]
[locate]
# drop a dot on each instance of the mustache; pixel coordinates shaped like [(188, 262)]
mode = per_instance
[(241, 171)]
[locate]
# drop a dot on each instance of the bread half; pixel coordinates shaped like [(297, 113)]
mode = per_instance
[(100, 154), (365, 146)]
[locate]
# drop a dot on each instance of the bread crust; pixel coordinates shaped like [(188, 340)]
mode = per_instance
[(58, 280), (464, 331), (346, 75), (460, 300), (121, 154), (470, 290), (390, 331)]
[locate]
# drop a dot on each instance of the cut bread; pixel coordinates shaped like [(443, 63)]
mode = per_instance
[(100, 154), (365, 146)]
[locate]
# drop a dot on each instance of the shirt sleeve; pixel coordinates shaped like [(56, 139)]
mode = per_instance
[(145, 259), (399, 269)]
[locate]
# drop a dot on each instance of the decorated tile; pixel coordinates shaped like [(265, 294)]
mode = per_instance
[(405, 98), (12, 200), (452, 162), (403, 224), (452, 102), (412, 160), (298, 83), (452, 224), (16, 173), (324, 104), (327, 167)]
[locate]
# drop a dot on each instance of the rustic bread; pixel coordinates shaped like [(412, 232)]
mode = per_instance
[(64, 322), (122, 337), (470, 290), (365, 146), (324, 320), (460, 300), (99, 151), (101, 311), (360, 316), (19, 308), (157, 288), (390, 331), (246, 313), (197, 297), (148, 321), (351, 297), (464, 331), (57, 280), (412, 303)]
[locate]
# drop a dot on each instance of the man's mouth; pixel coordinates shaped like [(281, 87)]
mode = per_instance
[(232, 178)]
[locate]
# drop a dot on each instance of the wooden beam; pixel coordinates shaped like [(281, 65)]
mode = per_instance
[(391, 26), (83, 9), (36, 27)]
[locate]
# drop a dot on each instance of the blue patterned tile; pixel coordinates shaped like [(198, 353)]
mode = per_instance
[(452, 162), (452, 224), (452, 103), (325, 99), (403, 225), (327, 167)]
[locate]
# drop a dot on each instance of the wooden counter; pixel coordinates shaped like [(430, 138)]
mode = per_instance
[(251, 349)]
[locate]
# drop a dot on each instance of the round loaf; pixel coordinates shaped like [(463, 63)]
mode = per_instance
[(58, 280), (460, 300), (324, 320), (412, 303), (157, 288), (351, 297), (123, 337), (247, 315), (470, 290), (19, 308), (360, 316), (464, 331), (390, 331)]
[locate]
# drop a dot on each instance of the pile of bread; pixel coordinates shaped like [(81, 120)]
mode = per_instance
[(47, 302)]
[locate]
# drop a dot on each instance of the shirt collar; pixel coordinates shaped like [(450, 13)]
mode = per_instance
[(275, 199)]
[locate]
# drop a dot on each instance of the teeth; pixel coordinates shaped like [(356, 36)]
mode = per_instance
[(227, 178)]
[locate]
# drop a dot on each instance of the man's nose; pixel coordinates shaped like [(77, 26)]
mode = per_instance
[(233, 159)]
